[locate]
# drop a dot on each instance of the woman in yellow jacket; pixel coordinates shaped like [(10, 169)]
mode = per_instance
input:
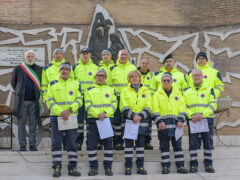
[(135, 105), (168, 114)]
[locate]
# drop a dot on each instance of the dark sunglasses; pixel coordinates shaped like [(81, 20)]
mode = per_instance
[(166, 80)]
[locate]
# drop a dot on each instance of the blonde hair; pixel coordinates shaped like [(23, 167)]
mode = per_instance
[(131, 73)]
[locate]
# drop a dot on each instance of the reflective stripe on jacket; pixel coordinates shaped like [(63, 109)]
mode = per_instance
[(211, 77), (169, 110), (50, 73), (200, 101), (178, 79), (118, 76), (132, 103), (84, 73), (63, 95), (99, 99)]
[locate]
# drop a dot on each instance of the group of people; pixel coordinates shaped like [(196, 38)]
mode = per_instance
[(119, 92)]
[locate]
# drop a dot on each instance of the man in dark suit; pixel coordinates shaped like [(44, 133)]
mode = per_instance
[(26, 81)]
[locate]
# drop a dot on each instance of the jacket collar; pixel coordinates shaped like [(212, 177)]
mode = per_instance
[(122, 65), (163, 69), (101, 63), (58, 63), (89, 62), (143, 72), (207, 65)]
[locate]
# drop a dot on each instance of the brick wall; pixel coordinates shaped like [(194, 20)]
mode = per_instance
[(15, 11), (170, 18)]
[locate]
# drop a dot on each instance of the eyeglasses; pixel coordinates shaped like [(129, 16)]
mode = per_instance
[(100, 75), (197, 75), (166, 80)]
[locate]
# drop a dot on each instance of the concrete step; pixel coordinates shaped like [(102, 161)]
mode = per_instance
[(26, 164)]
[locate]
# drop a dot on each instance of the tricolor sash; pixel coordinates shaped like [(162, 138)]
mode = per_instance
[(31, 74), (36, 81)]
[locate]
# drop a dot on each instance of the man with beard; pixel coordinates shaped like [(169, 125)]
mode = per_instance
[(168, 66), (26, 80)]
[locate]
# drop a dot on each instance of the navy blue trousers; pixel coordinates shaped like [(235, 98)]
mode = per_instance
[(93, 139), (129, 143), (57, 140)]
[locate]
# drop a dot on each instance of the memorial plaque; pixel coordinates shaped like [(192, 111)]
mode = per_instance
[(12, 56)]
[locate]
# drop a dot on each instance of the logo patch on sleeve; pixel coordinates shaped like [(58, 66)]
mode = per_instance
[(70, 93)]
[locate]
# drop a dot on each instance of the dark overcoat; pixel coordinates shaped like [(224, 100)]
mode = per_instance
[(18, 83)]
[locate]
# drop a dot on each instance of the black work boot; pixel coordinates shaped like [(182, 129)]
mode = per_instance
[(57, 171), (141, 171), (74, 172), (93, 172), (128, 171), (79, 147), (209, 169), (108, 172), (182, 170), (166, 170), (193, 169), (148, 147), (99, 147)]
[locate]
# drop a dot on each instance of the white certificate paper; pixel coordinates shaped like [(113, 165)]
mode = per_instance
[(131, 130), (105, 128), (179, 132), (71, 123), (199, 126)]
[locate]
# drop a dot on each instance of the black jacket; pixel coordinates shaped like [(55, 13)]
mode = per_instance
[(18, 83)]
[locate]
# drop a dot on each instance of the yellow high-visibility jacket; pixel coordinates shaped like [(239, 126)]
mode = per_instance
[(211, 76), (169, 110), (118, 76), (200, 100), (63, 95), (84, 73), (102, 65), (146, 78), (100, 99), (178, 79), (50, 73), (132, 103)]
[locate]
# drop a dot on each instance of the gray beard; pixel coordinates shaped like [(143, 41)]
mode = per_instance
[(30, 64)]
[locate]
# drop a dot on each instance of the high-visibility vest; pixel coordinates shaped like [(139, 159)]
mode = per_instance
[(200, 100), (102, 65), (118, 76), (100, 99), (84, 73), (63, 95), (178, 79), (211, 77), (51, 73)]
